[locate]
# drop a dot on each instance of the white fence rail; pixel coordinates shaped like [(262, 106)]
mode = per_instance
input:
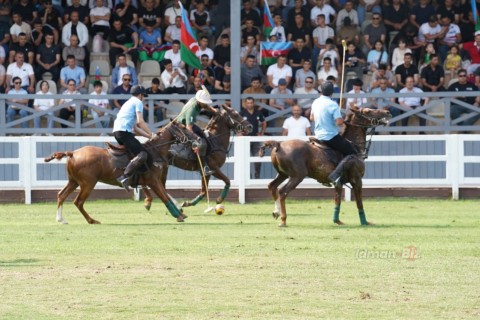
[(455, 164)]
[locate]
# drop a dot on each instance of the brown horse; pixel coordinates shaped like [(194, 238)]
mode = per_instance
[(297, 159), (218, 131), (88, 165)]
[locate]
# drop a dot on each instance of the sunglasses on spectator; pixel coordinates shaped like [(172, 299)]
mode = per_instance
[(17, 82), (126, 79)]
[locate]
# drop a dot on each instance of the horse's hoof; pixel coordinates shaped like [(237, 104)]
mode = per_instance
[(185, 204), (95, 222), (338, 222), (368, 224), (282, 225), (62, 221), (275, 215), (180, 219), (148, 206), (183, 216)]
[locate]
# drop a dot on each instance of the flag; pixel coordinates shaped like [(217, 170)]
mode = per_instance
[(163, 49), (476, 18), (268, 21), (188, 42), (269, 51)]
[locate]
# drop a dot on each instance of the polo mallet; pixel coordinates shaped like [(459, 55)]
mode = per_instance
[(209, 208), (344, 45)]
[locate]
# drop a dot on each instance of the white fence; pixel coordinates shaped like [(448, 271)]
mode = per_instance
[(405, 161)]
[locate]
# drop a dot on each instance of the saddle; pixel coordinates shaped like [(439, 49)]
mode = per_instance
[(184, 151), (318, 143), (121, 157)]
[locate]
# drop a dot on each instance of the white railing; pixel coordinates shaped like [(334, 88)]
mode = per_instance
[(453, 157)]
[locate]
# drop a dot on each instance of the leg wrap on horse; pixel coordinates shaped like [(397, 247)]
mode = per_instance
[(172, 208), (336, 214), (363, 218), (135, 163), (225, 190), (338, 172), (196, 200)]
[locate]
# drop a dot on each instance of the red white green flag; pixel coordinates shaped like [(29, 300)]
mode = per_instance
[(269, 51), (267, 20), (188, 42)]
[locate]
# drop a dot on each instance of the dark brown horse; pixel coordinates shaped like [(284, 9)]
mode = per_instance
[(219, 129), (88, 165), (297, 159)]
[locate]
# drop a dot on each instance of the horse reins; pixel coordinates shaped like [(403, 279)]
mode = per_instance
[(374, 123)]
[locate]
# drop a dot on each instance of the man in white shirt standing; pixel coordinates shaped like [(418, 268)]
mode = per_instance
[(296, 126)]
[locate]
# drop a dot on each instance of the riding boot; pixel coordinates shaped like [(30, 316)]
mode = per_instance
[(206, 169), (336, 175), (131, 168)]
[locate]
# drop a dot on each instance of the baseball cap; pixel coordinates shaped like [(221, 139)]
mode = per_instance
[(138, 90), (282, 82)]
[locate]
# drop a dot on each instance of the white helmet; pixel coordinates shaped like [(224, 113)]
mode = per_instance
[(203, 96)]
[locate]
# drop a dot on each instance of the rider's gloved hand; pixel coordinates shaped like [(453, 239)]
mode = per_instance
[(154, 136)]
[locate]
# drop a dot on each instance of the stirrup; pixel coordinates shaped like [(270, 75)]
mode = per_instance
[(337, 182), (124, 182), (207, 171)]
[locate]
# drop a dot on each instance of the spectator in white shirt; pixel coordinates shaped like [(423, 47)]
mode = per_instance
[(173, 79), (357, 101), (296, 126)]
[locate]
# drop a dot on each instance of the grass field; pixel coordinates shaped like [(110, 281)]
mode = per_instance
[(420, 261)]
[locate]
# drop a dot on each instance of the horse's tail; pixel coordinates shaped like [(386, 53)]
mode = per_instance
[(270, 144), (58, 156)]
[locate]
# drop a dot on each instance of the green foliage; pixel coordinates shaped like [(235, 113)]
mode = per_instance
[(420, 261)]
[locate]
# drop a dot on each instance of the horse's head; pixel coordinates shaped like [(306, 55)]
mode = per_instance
[(365, 117), (232, 119), (173, 132)]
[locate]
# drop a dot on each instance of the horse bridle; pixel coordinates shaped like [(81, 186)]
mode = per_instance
[(237, 126)]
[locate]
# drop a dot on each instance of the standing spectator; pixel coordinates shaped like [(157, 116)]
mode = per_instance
[(374, 31), (433, 76), (221, 53), (347, 11), (122, 40), (282, 90), (78, 52), (19, 26), (43, 105), (23, 70), (259, 126), (354, 60), (48, 58), (69, 110), (451, 36), (173, 31), (173, 79), (124, 88), (326, 70), (206, 74), (407, 69), (382, 102), (100, 20), (74, 72), (306, 104), (410, 102), (121, 69), (421, 13), (296, 126), (13, 109), (200, 20), (82, 10), (75, 28), (278, 29), (174, 55), (249, 70), (277, 71), (320, 35), (102, 104), (457, 110), (204, 49), (149, 14), (24, 47), (127, 12), (157, 104), (303, 73), (150, 41), (365, 6), (357, 101), (299, 30), (172, 12), (325, 9)]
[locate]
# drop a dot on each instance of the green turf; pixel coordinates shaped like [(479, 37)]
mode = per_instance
[(140, 265)]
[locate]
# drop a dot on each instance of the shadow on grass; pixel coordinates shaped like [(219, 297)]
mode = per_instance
[(18, 262)]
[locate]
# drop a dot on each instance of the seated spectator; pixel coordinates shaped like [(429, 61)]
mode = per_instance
[(225, 85), (298, 8), (296, 126), (306, 104), (75, 50), (374, 32), (277, 71), (357, 101), (69, 110), (127, 12), (248, 13), (354, 60), (433, 76), (336, 88), (429, 50), (158, 108), (102, 104), (303, 73), (204, 49), (410, 34), (281, 89), (250, 30), (220, 78), (124, 88), (197, 85), (174, 54), (39, 31), (23, 70), (221, 53), (206, 74), (19, 26), (249, 70), (457, 110), (330, 51), (43, 104), (173, 31), (172, 12), (448, 8), (3, 78), (51, 16), (326, 70), (411, 102), (173, 79), (451, 36), (347, 11), (150, 13), (399, 53), (298, 54), (472, 49), (82, 10), (4, 37), (382, 102), (200, 20), (24, 47), (75, 28), (122, 40), (299, 29), (249, 49), (122, 68), (48, 59), (405, 70), (364, 6), (320, 36), (421, 13), (278, 29), (74, 72), (256, 88), (100, 20), (348, 33), (13, 104), (380, 73), (325, 9), (453, 62), (149, 43), (395, 16), (429, 31), (377, 56)]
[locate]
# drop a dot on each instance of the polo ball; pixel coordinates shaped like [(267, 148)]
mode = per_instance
[(219, 209)]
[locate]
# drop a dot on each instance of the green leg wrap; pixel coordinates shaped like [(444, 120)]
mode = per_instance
[(172, 208), (363, 219), (196, 200), (336, 213), (224, 193)]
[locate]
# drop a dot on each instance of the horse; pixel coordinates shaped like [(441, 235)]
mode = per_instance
[(296, 159), (88, 165), (218, 131)]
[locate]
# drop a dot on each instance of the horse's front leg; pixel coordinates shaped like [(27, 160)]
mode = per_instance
[(357, 190), (338, 201), (200, 196), (219, 175), (147, 203), (158, 188)]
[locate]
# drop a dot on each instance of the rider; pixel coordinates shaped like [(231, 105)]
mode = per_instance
[(327, 118), (188, 116), (129, 120)]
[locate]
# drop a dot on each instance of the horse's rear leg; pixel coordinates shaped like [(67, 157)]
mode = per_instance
[(85, 191), (147, 203), (283, 192), (357, 190), (62, 196), (157, 187), (273, 186), (338, 202)]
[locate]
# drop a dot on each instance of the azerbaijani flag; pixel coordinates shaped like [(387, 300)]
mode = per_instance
[(476, 18), (268, 21), (163, 49), (269, 51), (188, 42)]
